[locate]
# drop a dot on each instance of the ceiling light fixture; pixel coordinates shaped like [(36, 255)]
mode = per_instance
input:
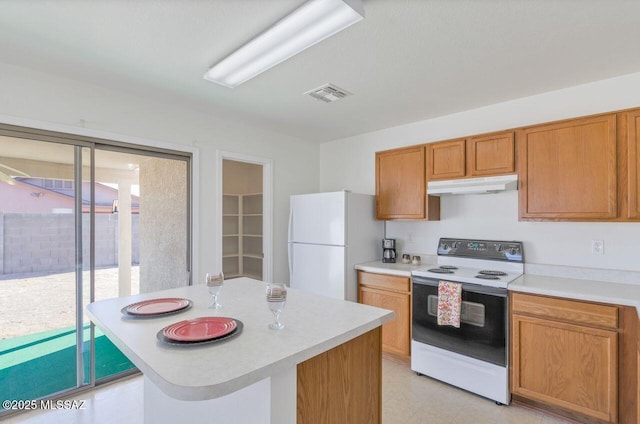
[(311, 23)]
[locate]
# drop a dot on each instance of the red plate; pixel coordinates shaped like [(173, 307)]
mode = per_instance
[(199, 329), (157, 306)]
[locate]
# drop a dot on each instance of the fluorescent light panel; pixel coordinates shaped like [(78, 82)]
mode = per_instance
[(311, 23)]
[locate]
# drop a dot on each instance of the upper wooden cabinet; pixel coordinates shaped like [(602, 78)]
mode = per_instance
[(446, 160), (401, 191), (583, 169), (484, 155), (569, 169), (633, 157), (491, 154)]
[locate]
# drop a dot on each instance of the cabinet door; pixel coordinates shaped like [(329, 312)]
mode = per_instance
[(341, 385), (446, 160), (569, 170), (571, 367), (400, 184), (396, 336), (633, 154), (493, 154)]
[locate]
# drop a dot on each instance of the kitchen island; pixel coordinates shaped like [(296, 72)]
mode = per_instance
[(324, 366)]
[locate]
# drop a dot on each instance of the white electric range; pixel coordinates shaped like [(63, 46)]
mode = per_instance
[(475, 356)]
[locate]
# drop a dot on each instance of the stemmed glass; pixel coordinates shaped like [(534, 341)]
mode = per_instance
[(276, 298), (214, 283)]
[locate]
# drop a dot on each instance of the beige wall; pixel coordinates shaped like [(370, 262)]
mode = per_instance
[(163, 196)]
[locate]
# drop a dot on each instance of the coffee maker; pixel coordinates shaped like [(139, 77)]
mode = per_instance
[(388, 250)]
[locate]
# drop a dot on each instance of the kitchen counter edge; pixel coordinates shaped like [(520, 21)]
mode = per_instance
[(398, 268), (578, 289)]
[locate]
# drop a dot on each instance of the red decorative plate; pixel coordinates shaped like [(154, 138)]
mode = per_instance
[(157, 306), (200, 329)]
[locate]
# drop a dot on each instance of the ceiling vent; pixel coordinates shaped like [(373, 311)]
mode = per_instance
[(328, 93)]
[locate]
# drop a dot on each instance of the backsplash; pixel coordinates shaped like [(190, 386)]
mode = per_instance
[(495, 216)]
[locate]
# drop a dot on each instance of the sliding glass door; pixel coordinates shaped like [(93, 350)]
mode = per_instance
[(41, 224), (141, 233), (80, 220)]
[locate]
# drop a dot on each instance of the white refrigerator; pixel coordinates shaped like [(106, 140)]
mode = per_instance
[(328, 234)]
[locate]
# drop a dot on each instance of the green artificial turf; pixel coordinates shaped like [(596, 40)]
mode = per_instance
[(42, 364)]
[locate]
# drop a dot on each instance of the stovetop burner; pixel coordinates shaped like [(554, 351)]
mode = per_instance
[(487, 277), (492, 263), (441, 270), (492, 272)]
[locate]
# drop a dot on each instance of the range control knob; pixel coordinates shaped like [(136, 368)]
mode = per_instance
[(513, 251), (499, 248)]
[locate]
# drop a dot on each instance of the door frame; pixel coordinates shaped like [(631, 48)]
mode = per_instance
[(267, 208)]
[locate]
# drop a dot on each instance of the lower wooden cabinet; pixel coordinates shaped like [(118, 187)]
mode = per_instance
[(394, 293), (565, 356)]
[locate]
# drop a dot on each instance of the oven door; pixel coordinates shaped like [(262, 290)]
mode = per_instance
[(483, 325)]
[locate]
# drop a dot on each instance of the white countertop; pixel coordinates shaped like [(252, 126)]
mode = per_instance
[(590, 290), (398, 268), (561, 284), (313, 324)]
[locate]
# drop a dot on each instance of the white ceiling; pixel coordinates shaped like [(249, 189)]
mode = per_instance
[(408, 60)]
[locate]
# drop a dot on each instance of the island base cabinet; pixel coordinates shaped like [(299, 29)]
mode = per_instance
[(344, 384), (341, 385)]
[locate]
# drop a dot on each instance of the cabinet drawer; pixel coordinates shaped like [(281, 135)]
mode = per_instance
[(566, 310), (384, 281)]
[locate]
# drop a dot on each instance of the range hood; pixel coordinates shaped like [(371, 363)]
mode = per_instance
[(473, 185)]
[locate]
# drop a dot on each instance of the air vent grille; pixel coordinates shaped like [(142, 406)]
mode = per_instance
[(328, 93)]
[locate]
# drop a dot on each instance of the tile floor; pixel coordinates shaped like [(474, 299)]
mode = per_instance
[(407, 399)]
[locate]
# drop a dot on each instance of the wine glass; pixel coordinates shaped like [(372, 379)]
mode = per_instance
[(276, 298), (214, 283)]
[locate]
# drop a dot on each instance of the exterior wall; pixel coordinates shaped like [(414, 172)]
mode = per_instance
[(163, 223), (18, 198), (45, 242), (23, 197)]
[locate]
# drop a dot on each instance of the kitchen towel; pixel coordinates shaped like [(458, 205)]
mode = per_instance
[(449, 303)]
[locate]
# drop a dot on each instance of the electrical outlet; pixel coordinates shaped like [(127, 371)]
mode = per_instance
[(597, 247)]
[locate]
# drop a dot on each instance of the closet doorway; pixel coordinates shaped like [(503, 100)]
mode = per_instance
[(245, 235)]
